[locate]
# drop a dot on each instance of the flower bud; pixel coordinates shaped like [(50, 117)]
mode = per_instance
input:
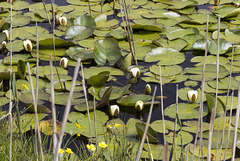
[(7, 34), (237, 4), (216, 2), (148, 89), (139, 105), (192, 95), (114, 110), (64, 62), (27, 44), (4, 44), (63, 21), (135, 72)]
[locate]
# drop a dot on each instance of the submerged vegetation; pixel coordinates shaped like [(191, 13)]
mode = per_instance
[(120, 50)]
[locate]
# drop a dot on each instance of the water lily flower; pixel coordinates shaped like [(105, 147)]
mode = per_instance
[(69, 151), (4, 44), (91, 147), (7, 34), (192, 95), (148, 89), (64, 62), (63, 21), (237, 4), (102, 144), (135, 72), (27, 44), (114, 110), (61, 151), (139, 105)]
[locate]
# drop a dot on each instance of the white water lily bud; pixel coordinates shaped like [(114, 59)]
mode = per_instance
[(192, 95), (27, 44), (114, 110), (216, 2), (4, 44), (236, 4), (148, 89), (139, 105), (7, 34), (135, 72), (63, 21), (64, 62)]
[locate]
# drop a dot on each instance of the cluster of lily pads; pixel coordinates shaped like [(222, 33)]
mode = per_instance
[(164, 33)]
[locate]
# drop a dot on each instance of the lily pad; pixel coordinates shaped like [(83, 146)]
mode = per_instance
[(106, 49), (170, 70), (169, 125), (181, 138), (185, 110), (166, 56), (116, 93), (130, 100), (224, 46), (211, 104)]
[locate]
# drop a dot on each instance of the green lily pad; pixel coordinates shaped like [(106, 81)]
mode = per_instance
[(17, 46), (182, 93), (223, 83), (169, 125), (181, 138), (223, 99), (82, 107), (62, 98), (176, 32), (130, 124), (130, 100), (27, 120), (191, 126), (78, 32), (82, 120), (211, 104), (106, 49), (185, 110), (166, 56), (224, 46), (169, 70), (151, 134), (116, 93), (58, 42), (3, 101), (210, 72), (99, 79), (118, 33), (88, 72), (227, 11), (17, 57), (232, 36), (20, 20), (209, 60), (177, 44)]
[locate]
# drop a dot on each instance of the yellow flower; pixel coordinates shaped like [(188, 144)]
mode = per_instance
[(25, 86), (91, 147), (102, 144), (78, 125), (69, 151), (78, 135), (61, 151), (117, 125), (109, 126)]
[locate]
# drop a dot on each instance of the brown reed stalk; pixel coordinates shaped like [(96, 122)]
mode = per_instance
[(95, 122), (149, 148), (129, 32), (213, 113), (161, 93), (225, 112), (54, 120), (49, 21), (67, 110), (86, 99), (200, 115), (89, 6), (37, 130), (236, 124), (175, 125), (146, 127), (229, 126)]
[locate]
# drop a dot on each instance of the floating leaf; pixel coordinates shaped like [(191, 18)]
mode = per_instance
[(166, 56), (211, 104), (130, 100), (224, 46), (169, 125), (181, 138), (106, 49), (99, 80), (116, 92), (176, 32), (151, 134), (185, 110), (166, 71)]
